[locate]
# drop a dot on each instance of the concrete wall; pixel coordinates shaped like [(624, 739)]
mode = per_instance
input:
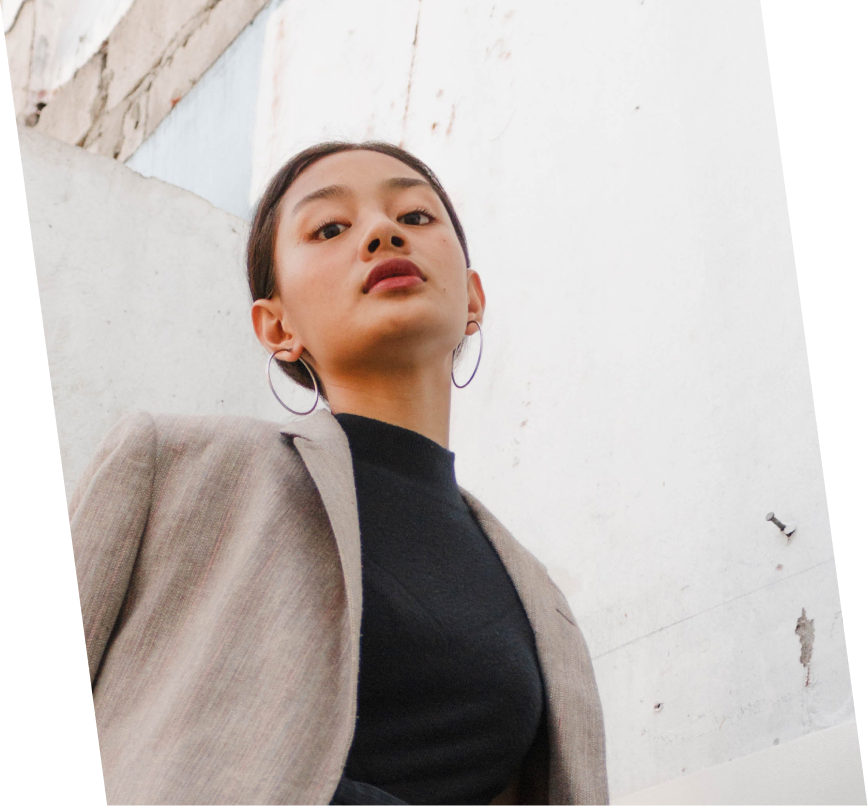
[(143, 296), (616, 167)]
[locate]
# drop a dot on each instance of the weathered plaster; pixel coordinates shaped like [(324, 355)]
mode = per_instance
[(19, 51), (150, 60), (71, 114)]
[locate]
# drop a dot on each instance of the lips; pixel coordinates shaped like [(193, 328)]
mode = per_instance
[(393, 267)]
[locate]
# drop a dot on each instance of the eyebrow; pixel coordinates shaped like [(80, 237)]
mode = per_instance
[(338, 191)]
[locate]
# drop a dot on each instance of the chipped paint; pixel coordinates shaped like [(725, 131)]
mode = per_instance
[(805, 631)]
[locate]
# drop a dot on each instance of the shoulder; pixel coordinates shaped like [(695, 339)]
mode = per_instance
[(197, 428), (190, 433), (203, 436), (222, 453)]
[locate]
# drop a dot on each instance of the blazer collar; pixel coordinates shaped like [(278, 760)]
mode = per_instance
[(321, 425), (325, 449)]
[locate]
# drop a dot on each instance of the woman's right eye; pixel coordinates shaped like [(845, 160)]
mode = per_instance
[(329, 230)]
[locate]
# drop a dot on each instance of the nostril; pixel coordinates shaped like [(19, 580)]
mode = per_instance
[(373, 244), (396, 241)]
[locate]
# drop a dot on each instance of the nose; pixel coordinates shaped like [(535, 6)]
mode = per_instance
[(394, 240), (382, 233)]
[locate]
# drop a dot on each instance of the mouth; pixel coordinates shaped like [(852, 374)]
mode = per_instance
[(391, 268)]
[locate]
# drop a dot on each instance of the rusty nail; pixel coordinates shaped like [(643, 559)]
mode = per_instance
[(787, 530)]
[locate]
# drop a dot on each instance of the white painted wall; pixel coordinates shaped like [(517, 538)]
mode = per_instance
[(838, 330), (644, 383)]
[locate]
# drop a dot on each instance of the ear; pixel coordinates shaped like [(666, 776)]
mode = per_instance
[(475, 300), (269, 325)]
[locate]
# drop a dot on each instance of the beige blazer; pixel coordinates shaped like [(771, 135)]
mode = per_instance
[(218, 563)]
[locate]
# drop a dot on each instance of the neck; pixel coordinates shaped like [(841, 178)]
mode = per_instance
[(417, 398)]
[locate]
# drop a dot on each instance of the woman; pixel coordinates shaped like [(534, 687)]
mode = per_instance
[(318, 613)]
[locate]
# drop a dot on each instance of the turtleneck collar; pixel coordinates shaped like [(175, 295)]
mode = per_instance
[(400, 450)]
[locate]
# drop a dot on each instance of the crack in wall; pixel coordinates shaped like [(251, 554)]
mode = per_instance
[(410, 77), (100, 102)]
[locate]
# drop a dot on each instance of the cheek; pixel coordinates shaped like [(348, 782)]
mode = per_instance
[(452, 254), (457, 253), (310, 295), (289, 285)]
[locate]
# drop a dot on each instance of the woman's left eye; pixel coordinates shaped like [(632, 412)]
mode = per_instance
[(419, 211)]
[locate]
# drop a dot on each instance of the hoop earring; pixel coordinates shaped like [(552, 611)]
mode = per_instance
[(274, 391), (462, 385)]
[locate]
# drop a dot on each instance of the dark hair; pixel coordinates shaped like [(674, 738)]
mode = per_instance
[(263, 231)]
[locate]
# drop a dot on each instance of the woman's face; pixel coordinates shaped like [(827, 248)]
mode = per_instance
[(342, 218)]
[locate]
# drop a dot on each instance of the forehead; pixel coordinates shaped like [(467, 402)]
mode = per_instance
[(359, 170)]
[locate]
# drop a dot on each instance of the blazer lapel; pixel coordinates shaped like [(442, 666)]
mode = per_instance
[(324, 447), (526, 572)]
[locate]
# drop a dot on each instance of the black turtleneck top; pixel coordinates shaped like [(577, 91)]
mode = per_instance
[(450, 693)]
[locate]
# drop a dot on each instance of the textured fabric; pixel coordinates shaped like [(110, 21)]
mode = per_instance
[(219, 571), (357, 793), (450, 695)]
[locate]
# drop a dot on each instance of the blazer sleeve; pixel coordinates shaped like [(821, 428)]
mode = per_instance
[(108, 513)]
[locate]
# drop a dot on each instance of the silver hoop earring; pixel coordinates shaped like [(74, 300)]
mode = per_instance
[(274, 391), (462, 385)]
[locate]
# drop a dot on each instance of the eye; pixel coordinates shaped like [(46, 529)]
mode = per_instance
[(325, 226), (420, 211), (328, 224)]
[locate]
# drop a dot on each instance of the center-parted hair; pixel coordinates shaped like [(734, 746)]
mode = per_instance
[(261, 276)]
